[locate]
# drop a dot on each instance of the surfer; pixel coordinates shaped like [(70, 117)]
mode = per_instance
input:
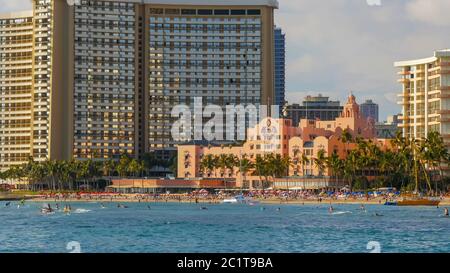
[(47, 209)]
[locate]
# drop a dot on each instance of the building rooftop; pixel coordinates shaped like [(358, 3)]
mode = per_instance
[(270, 3), (20, 14), (437, 54)]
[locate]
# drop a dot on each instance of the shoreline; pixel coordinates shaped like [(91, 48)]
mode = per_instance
[(216, 201)]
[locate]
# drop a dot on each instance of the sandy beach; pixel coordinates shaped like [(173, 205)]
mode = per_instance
[(133, 199)]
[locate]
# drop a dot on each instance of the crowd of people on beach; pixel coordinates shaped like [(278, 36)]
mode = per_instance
[(205, 196)]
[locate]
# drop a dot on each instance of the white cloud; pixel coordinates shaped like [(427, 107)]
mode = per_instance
[(344, 45), (430, 11)]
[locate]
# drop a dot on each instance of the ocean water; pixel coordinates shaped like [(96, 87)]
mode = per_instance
[(175, 228)]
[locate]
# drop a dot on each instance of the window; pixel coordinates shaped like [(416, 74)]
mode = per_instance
[(238, 12), (188, 12), (253, 12), (205, 12), (221, 12)]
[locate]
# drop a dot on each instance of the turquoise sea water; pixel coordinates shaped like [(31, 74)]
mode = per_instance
[(173, 227)]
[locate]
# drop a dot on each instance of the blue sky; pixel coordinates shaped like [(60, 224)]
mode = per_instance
[(338, 46)]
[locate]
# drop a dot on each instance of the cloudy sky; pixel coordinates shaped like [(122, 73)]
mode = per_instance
[(338, 46)]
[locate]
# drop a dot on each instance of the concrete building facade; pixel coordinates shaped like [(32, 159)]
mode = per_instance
[(425, 96), (280, 67), (281, 136), (103, 75), (370, 109), (314, 107), (16, 83)]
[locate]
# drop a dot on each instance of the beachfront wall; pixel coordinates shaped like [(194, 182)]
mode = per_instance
[(167, 184), (293, 183), (279, 136)]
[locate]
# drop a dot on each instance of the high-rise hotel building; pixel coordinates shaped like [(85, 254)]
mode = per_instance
[(16, 78), (105, 74), (425, 97)]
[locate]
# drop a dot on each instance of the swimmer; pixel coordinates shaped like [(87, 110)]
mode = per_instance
[(103, 206), (7, 204), (331, 209), (149, 207), (362, 207), (278, 209), (204, 208), (378, 215), (263, 209)]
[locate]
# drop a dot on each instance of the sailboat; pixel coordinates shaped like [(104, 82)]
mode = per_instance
[(418, 200)]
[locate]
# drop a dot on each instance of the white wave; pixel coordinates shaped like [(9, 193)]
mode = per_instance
[(341, 212), (81, 211)]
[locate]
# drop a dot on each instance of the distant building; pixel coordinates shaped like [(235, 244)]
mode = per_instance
[(425, 96), (386, 130), (389, 128), (314, 108), (394, 119), (370, 109), (282, 137), (280, 67)]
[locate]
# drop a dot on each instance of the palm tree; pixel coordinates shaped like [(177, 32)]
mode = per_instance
[(51, 170), (262, 169), (346, 138), (436, 152), (351, 165), (320, 161), (108, 167), (245, 165), (221, 163), (122, 166), (304, 160), (208, 164), (336, 165), (133, 167)]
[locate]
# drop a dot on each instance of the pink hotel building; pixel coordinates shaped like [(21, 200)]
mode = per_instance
[(280, 136)]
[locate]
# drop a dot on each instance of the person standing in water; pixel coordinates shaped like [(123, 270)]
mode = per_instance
[(331, 209), (446, 212)]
